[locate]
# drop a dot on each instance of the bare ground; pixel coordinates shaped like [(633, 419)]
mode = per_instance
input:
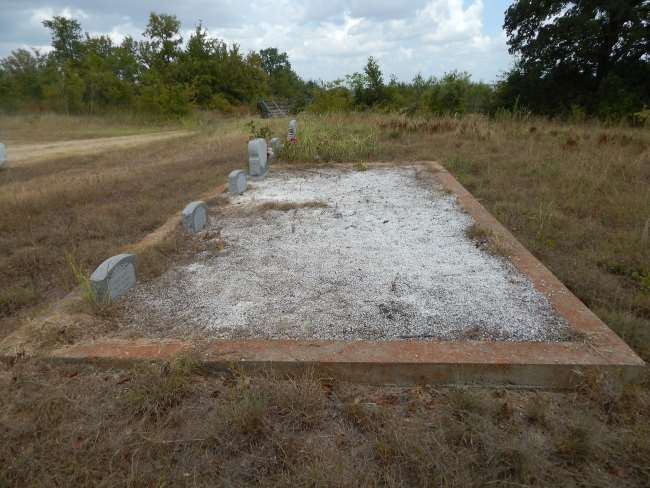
[(21, 154)]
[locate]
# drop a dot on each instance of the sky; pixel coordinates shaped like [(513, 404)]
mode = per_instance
[(325, 39)]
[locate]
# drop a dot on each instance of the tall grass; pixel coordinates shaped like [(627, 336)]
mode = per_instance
[(332, 138)]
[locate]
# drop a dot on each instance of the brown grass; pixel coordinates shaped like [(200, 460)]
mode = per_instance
[(575, 195), (91, 207), (48, 127), (287, 206), (168, 424)]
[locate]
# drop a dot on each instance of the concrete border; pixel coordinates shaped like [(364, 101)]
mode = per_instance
[(504, 364)]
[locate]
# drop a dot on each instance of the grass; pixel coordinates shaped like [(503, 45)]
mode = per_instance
[(168, 424), (48, 127), (287, 206), (95, 206), (488, 240), (576, 195)]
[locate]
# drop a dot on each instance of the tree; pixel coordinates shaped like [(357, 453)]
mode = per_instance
[(273, 61), (574, 50), (66, 38), (283, 80), (163, 41), (374, 82)]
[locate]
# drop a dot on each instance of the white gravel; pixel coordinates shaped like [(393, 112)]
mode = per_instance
[(386, 259)]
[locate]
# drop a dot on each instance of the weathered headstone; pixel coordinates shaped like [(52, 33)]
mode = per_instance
[(257, 158), (274, 149), (113, 277), (3, 156), (275, 144), (237, 182), (194, 216), (293, 130)]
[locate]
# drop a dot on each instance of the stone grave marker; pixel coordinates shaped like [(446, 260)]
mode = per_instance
[(237, 182), (257, 158), (275, 144), (114, 277), (194, 216), (293, 130), (3, 156), (274, 149)]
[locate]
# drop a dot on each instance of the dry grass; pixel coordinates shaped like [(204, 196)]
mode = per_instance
[(91, 207), (287, 206), (576, 195), (488, 240), (48, 127), (169, 425)]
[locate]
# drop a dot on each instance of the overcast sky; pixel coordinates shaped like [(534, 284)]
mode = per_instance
[(325, 39)]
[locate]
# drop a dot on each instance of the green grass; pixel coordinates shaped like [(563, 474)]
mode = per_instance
[(327, 138)]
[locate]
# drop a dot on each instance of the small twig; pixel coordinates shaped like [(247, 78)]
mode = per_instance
[(174, 441)]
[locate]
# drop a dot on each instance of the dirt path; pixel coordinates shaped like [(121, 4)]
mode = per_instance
[(22, 154)]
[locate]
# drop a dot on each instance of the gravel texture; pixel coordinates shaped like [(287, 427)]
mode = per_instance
[(386, 258)]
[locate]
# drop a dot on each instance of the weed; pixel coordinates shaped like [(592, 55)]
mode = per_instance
[(329, 138), (536, 410), (258, 132), (574, 443), (98, 304), (281, 206), (16, 296), (361, 166), (477, 232), (366, 418), (160, 387), (244, 411), (488, 240)]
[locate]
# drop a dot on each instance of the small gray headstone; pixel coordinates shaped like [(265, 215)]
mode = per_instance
[(194, 216), (274, 149), (237, 182), (114, 277), (3, 156), (257, 158), (291, 133)]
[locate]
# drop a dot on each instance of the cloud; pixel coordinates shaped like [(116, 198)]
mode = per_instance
[(324, 39), (38, 15)]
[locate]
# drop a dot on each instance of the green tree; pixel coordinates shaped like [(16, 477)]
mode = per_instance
[(283, 80), (162, 41), (374, 82), (67, 38), (576, 51), (23, 81)]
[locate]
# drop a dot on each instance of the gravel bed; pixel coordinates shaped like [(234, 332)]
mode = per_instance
[(370, 255)]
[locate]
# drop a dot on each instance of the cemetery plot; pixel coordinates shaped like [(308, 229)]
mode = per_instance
[(345, 255), (388, 275)]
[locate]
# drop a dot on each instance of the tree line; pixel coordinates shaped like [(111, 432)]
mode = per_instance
[(589, 58), (160, 74)]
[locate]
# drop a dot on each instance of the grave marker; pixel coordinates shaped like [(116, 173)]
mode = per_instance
[(257, 158), (114, 277), (274, 149), (293, 130), (275, 144), (237, 182), (194, 216)]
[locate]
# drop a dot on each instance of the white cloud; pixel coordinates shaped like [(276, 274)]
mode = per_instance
[(324, 39), (38, 15)]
